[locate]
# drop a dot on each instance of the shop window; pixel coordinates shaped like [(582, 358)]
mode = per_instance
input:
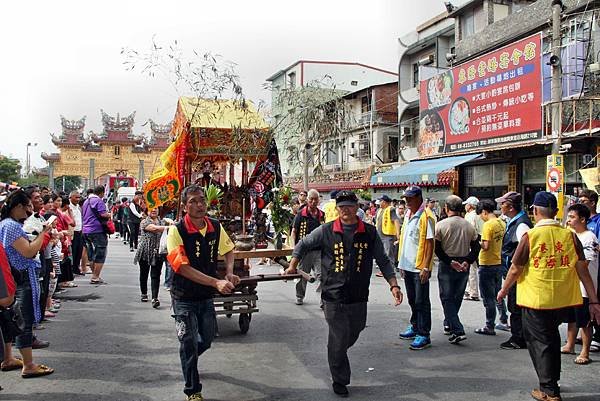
[(486, 175), (331, 153), (415, 73), (534, 170)]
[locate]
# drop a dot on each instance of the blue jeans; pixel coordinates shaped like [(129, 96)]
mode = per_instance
[(490, 282), (168, 274), (195, 322), (420, 306), (24, 297), (452, 289)]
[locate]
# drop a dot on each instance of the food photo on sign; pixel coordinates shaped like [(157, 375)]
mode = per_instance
[(493, 99)]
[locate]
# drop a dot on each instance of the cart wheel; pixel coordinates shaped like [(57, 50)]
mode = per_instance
[(245, 322)]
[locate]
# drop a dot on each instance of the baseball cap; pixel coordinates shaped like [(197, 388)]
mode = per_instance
[(346, 198), (545, 199), (471, 200), (412, 191), (512, 197), (333, 194), (385, 198)]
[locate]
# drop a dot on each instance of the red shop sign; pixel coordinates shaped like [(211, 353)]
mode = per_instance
[(492, 100)]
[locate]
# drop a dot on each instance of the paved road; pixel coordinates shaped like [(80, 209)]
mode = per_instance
[(106, 345)]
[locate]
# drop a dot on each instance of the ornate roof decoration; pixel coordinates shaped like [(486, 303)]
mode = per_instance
[(72, 125), (117, 124), (160, 130), (72, 132)]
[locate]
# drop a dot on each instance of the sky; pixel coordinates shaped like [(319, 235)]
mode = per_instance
[(64, 57)]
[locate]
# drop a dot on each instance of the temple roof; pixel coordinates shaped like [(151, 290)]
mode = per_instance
[(72, 132), (160, 130), (221, 114), (117, 123)]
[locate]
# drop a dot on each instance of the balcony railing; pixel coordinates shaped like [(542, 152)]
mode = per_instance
[(578, 116), (364, 119)]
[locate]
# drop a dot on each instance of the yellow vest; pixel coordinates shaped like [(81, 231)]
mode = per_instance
[(387, 224), (331, 212), (427, 214), (549, 280)]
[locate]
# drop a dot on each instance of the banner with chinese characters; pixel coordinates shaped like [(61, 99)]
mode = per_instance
[(492, 100), (555, 172)]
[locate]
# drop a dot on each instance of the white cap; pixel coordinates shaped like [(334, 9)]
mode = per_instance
[(471, 200), (378, 202)]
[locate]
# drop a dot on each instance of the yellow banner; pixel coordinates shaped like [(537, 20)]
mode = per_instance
[(590, 178), (165, 183)]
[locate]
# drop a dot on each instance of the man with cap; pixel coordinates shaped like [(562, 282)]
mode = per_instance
[(388, 227), (471, 216), (547, 266), (415, 262), (517, 225), (348, 247), (329, 209)]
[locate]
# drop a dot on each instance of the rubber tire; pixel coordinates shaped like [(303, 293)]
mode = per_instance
[(244, 321)]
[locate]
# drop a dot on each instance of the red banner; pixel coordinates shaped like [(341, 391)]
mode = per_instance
[(491, 100)]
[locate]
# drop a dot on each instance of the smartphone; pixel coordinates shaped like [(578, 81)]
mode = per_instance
[(50, 220)]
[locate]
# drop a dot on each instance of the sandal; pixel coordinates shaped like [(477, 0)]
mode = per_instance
[(582, 361), (18, 364), (566, 352), (42, 370)]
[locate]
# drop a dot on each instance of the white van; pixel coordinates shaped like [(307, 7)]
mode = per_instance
[(126, 192)]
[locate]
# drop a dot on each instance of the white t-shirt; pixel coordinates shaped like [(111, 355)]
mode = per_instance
[(590, 250)]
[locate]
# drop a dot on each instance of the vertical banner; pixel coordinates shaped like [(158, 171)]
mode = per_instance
[(555, 172)]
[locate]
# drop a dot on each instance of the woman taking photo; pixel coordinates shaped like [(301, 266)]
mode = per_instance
[(22, 256), (148, 256)]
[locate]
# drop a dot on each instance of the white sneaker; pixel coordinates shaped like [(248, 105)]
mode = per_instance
[(299, 301)]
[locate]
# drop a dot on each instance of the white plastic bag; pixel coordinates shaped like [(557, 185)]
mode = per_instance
[(162, 247)]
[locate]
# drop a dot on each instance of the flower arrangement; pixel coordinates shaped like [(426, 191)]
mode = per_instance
[(281, 211), (213, 195)]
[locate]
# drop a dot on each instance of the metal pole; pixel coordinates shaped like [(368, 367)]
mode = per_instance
[(556, 75), (27, 159)]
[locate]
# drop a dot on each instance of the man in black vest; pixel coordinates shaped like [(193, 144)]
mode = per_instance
[(518, 224), (348, 247), (306, 221), (194, 245)]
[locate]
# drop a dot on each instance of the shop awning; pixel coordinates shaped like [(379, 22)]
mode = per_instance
[(421, 172)]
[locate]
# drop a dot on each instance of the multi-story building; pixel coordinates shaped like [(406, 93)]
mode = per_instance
[(358, 84), (488, 117)]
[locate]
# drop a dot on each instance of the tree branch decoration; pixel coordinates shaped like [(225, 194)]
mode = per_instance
[(213, 195)]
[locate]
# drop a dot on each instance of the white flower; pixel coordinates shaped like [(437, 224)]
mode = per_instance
[(275, 189)]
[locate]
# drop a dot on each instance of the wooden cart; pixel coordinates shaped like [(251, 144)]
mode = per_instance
[(243, 300)]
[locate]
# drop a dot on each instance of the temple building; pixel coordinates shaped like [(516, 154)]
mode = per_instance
[(114, 154)]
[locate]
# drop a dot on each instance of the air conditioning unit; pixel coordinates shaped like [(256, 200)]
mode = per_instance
[(406, 132), (337, 167)]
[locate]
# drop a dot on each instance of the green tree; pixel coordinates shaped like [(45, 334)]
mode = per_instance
[(71, 183), (306, 118), (9, 169)]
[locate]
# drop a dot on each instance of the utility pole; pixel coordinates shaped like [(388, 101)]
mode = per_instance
[(555, 63), (555, 163)]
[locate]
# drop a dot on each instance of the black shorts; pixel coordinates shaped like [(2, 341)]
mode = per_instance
[(580, 315)]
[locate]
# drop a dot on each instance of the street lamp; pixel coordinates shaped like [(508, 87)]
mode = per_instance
[(27, 159)]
